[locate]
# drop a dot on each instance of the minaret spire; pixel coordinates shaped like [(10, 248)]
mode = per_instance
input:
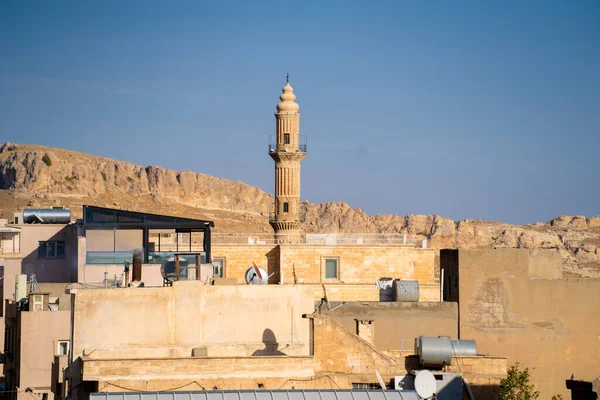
[(287, 150)]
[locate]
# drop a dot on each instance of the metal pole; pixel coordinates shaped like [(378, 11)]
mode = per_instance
[(176, 267), (197, 267), (441, 285)]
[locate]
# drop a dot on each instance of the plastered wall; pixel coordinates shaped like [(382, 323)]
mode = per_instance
[(510, 307), (190, 314), (396, 325), (40, 333)]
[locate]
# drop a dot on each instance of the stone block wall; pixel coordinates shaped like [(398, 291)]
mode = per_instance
[(359, 267), (357, 263)]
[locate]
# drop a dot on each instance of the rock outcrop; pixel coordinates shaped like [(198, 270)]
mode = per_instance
[(39, 176), (44, 173)]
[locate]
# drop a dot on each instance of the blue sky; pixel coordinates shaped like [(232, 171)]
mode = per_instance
[(486, 110)]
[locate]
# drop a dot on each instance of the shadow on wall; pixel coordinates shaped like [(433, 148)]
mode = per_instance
[(271, 346), (55, 258), (491, 392)]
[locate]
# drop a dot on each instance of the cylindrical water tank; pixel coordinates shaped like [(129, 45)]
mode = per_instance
[(46, 215), (438, 351), (464, 348), (405, 290)]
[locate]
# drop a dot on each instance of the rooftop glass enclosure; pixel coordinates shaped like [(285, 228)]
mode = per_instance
[(113, 235)]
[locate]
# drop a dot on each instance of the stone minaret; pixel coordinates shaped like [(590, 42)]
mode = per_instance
[(287, 151)]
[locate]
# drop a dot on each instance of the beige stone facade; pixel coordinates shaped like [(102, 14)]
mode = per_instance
[(359, 267)]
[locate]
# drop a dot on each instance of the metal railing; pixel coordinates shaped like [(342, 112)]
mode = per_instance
[(389, 239), (301, 147)]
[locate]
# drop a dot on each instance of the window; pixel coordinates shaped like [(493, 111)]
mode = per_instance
[(286, 138), (370, 386), (286, 207), (51, 249), (331, 268), (62, 348), (218, 267)]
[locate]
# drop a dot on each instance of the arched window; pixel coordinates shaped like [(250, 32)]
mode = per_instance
[(286, 138), (286, 207)]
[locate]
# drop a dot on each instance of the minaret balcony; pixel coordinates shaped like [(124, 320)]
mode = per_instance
[(275, 217), (300, 147)]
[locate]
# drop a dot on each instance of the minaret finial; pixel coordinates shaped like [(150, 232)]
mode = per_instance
[(287, 78)]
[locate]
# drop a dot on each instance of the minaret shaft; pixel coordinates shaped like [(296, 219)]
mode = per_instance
[(287, 153)]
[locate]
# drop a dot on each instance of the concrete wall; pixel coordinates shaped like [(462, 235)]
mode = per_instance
[(551, 325), (341, 358), (45, 270), (40, 332), (30, 348), (49, 270), (190, 314), (396, 325)]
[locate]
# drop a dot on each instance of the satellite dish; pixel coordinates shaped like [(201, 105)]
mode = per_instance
[(167, 268), (425, 384), (256, 275)]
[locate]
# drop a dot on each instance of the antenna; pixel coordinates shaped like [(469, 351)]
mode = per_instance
[(257, 270), (380, 380)]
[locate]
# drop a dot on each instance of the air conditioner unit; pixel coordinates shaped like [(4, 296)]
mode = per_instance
[(20, 287), (37, 303)]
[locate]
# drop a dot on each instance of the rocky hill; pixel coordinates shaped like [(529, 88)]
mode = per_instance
[(37, 176)]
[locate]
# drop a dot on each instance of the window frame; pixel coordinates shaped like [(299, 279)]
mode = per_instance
[(224, 261), (286, 207), (58, 349), (324, 260), (286, 138), (57, 247)]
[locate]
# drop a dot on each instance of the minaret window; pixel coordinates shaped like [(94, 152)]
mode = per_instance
[(286, 207), (286, 138)]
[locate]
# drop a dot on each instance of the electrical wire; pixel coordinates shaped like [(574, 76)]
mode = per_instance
[(308, 380), (158, 391)]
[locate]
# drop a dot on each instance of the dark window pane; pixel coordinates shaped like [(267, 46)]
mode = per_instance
[(42, 250), (100, 216), (60, 249), (286, 207), (331, 268)]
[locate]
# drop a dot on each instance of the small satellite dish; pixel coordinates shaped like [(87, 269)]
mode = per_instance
[(425, 384), (256, 275)]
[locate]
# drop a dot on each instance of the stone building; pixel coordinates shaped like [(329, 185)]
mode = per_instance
[(192, 336)]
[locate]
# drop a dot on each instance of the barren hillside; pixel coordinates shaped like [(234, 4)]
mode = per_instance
[(37, 176)]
